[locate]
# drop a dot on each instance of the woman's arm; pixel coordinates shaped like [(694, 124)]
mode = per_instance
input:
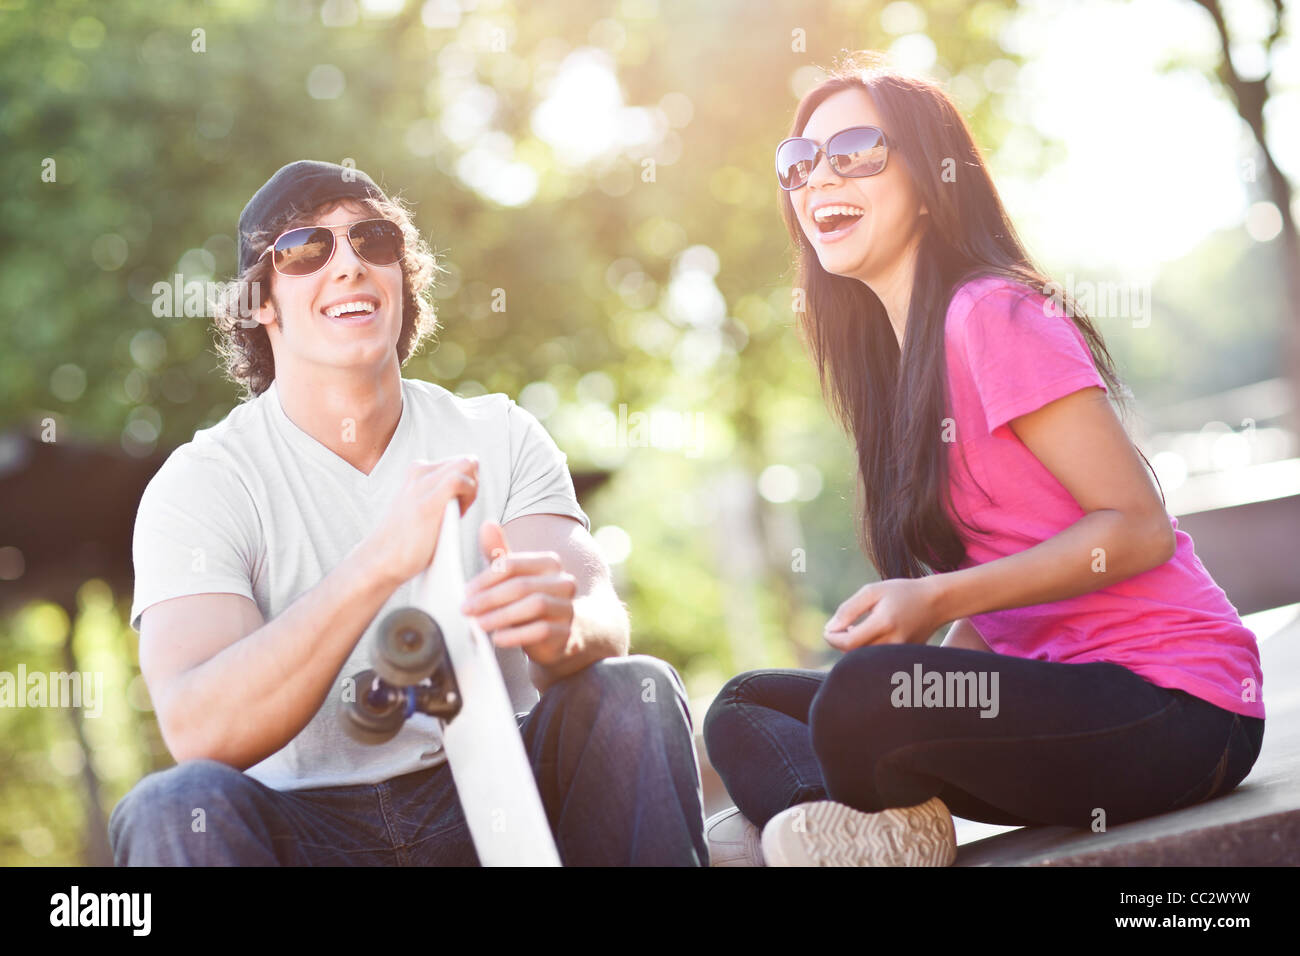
[(962, 634), (1124, 532)]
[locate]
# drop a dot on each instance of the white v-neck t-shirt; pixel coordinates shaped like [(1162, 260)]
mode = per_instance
[(256, 506)]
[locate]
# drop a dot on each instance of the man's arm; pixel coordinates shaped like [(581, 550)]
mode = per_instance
[(523, 599), (228, 686)]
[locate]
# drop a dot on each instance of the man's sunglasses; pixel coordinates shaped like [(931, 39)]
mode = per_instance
[(853, 153), (306, 251)]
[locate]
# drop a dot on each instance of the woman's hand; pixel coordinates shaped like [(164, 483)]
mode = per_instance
[(898, 611)]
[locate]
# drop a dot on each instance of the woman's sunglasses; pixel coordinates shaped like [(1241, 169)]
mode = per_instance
[(853, 153), (306, 251)]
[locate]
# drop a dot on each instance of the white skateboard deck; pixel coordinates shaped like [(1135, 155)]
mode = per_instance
[(489, 765)]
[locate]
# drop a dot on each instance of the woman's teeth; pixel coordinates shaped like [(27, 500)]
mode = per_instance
[(832, 218)]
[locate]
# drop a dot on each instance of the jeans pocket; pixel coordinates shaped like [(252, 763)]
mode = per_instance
[(1210, 784), (1238, 759)]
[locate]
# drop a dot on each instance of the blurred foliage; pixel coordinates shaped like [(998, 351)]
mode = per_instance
[(670, 294)]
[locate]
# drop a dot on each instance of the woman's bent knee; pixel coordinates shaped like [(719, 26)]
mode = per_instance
[(733, 695)]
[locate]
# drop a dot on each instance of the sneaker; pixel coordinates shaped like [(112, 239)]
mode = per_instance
[(826, 833), (733, 840)]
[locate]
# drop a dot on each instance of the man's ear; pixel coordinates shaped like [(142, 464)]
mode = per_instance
[(267, 311)]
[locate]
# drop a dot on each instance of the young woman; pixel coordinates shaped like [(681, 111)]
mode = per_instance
[(1095, 673)]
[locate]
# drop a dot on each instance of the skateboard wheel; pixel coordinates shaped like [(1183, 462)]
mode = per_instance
[(408, 646), (378, 712), (439, 698)]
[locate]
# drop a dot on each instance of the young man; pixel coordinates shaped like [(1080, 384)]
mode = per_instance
[(268, 547)]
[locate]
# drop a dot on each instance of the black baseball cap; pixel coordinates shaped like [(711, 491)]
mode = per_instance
[(306, 184)]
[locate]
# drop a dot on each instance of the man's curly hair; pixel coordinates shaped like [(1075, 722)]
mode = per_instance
[(242, 341)]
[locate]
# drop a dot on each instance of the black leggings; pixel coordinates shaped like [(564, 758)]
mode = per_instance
[(1065, 744)]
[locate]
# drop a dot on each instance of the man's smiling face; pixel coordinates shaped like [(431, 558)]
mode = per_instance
[(306, 334)]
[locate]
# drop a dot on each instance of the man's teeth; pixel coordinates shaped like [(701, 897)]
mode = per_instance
[(335, 311), (824, 213)]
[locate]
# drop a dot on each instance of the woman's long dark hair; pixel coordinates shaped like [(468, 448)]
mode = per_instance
[(892, 404)]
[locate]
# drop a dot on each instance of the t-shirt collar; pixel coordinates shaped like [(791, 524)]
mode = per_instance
[(313, 449)]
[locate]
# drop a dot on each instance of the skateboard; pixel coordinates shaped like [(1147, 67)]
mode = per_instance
[(431, 659)]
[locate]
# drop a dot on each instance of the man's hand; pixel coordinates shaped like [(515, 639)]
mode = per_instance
[(404, 543), (898, 611), (523, 599)]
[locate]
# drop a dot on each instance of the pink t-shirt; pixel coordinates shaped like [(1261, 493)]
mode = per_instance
[(1010, 352)]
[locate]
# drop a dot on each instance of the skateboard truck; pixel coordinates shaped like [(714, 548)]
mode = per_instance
[(412, 674)]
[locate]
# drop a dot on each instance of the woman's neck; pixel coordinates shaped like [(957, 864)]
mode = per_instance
[(894, 289)]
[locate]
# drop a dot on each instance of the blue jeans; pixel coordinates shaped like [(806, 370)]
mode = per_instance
[(1066, 741), (615, 765)]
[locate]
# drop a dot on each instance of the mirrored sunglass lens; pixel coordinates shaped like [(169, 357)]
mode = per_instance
[(794, 162), (857, 152), (378, 242), (303, 251)]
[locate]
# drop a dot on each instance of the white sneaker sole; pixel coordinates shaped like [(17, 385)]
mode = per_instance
[(826, 833)]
